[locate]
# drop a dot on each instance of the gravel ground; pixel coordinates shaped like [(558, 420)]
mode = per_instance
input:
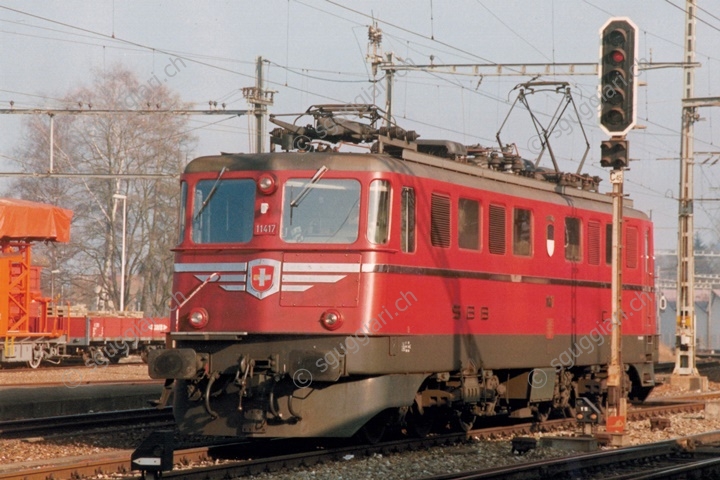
[(418, 464), (408, 465), (478, 454), (667, 390), (14, 451), (123, 372), (33, 450)]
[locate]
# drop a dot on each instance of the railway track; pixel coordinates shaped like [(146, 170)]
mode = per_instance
[(75, 362), (74, 376), (688, 457), (84, 382), (259, 456), (74, 423), (668, 367)]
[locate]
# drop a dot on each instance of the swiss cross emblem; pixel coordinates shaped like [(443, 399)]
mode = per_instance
[(263, 277)]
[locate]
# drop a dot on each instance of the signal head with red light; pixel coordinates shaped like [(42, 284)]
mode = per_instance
[(618, 87)]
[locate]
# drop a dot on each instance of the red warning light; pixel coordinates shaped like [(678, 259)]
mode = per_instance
[(618, 56), (617, 76)]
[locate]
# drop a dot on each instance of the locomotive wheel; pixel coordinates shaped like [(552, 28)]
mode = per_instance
[(639, 394), (420, 425), (463, 421), (373, 431), (542, 412)]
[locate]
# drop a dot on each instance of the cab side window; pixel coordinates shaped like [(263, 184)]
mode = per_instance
[(379, 212), (522, 232), (469, 224), (407, 218), (573, 251)]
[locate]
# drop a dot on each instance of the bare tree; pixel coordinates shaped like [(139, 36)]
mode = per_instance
[(112, 144)]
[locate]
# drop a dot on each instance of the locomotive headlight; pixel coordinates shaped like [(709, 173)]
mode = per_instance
[(198, 317), (331, 319), (267, 184)]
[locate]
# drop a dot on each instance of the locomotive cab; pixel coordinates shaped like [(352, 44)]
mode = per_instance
[(268, 289)]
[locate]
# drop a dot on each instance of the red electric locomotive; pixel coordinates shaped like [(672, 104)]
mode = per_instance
[(424, 283)]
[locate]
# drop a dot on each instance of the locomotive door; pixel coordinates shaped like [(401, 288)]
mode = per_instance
[(573, 256), (649, 273), (651, 312)]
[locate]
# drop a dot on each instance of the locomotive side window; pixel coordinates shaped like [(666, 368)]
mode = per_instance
[(594, 243), (522, 232), (440, 221), (379, 212), (631, 247), (572, 239), (608, 244), (223, 211), (496, 243), (326, 211), (646, 252), (181, 220), (407, 229), (469, 224)]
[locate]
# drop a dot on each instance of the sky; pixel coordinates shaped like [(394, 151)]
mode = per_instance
[(315, 52)]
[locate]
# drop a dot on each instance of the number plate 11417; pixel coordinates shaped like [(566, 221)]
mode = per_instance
[(265, 228)]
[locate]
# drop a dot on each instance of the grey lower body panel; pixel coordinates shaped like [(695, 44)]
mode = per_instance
[(334, 410), (330, 357), (438, 353)]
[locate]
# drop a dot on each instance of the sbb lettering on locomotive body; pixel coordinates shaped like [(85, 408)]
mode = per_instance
[(470, 312)]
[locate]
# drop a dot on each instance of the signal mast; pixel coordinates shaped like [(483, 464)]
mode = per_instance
[(618, 92)]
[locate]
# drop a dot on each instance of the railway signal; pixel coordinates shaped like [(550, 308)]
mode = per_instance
[(617, 117), (587, 414), (614, 153), (617, 76)]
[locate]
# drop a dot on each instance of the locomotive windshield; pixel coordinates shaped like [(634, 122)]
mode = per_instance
[(328, 212), (223, 211)]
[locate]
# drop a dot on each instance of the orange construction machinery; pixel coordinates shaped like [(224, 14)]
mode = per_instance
[(27, 333)]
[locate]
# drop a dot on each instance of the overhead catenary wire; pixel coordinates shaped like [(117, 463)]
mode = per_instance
[(707, 12), (406, 30), (329, 13), (152, 49), (694, 15), (315, 77), (512, 30), (149, 48)]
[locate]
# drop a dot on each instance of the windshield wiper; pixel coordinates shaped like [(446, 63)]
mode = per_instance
[(210, 194), (306, 188)]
